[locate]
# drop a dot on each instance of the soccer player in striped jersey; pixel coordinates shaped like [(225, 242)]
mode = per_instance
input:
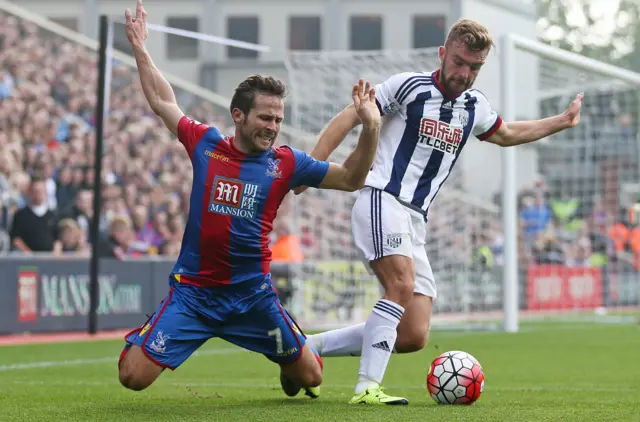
[(220, 285), (428, 118)]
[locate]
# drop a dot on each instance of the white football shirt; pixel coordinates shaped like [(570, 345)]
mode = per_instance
[(423, 132)]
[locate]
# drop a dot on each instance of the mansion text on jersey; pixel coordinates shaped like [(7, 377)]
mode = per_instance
[(232, 211)]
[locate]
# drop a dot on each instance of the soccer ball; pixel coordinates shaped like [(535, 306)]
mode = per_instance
[(455, 378)]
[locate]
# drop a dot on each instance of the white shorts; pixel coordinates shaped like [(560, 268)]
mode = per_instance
[(382, 226)]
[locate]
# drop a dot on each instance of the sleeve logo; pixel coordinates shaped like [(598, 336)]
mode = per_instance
[(391, 108)]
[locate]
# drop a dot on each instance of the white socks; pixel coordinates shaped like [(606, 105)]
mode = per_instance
[(374, 341), (341, 342), (378, 341)]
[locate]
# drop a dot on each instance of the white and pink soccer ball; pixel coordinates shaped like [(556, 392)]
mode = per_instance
[(455, 378)]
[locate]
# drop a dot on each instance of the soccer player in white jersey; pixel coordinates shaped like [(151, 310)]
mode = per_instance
[(428, 119)]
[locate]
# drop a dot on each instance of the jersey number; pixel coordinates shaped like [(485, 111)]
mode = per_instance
[(278, 335)]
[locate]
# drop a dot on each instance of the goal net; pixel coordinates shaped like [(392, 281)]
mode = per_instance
[(576, 250), (458, 222), (579, 247)]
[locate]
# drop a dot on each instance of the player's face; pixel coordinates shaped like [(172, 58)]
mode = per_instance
[(460, 66), (261, 126)]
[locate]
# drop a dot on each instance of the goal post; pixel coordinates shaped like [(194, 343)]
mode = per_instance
[(509, 189)]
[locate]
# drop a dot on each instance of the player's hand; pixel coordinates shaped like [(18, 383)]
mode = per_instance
[(136, 27), (364, 101), (572, 113)]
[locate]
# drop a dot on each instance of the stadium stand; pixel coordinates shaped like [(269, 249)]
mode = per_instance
[(47, 103)]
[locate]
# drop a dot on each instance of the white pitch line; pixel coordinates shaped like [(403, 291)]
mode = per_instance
[(76, 362), (49, 364), (326, 386)]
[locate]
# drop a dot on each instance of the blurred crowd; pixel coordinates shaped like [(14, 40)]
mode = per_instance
[(47, 150), (564, 230), (47, 159)]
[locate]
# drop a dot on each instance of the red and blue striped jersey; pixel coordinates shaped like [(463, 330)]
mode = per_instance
[(234, 200)]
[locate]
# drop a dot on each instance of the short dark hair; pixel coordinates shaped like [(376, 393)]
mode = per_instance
[(471, 33), (243, 98), (37, 179)]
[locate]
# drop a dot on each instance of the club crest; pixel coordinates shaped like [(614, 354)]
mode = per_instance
[(273, 168)]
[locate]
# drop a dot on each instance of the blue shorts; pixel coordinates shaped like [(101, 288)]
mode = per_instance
[(250, 317)]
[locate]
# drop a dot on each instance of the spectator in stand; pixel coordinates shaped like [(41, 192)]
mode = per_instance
[(172, 244), (145, 232), (73, 239), (82, 210), (565, 213), (120, 243), (547, 249), (535, 216), (65, 191), (34, 227), (286, 247)]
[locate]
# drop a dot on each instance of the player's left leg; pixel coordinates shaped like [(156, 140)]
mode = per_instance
[(413, 330)]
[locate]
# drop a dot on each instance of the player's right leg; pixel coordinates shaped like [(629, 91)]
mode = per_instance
[(305, 372), (166, 340), (261, 324), (382, 231)]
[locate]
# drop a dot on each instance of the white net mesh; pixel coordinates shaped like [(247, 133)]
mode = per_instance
[(321, 85), (594, 168), (581, 252)]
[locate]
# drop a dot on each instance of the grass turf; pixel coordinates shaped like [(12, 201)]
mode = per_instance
[(545, 372)]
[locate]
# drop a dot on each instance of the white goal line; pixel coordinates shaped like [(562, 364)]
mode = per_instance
[(107, 359)]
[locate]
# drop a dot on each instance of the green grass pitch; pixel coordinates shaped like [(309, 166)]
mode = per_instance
[(546, 372)]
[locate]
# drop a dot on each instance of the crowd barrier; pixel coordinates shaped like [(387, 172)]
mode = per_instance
[(51, 295)]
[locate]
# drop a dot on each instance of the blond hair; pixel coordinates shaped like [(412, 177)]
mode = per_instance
[(68, 222), (119, 222), (475, 36)]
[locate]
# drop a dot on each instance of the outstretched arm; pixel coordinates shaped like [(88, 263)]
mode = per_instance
[(522, 132), (156, 89), (332, 136), (335, 132), (350, 176), (392, 95)]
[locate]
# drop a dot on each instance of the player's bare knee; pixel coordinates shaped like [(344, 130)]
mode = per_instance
[(130, 380), (131, 377), (312, 377), (306, 372), (136, 372), (411, 342), (309, 376)]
